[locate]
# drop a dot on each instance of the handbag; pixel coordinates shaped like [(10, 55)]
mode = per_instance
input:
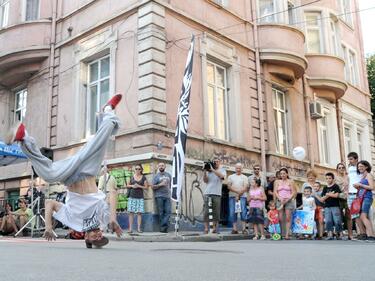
[(356, 206)]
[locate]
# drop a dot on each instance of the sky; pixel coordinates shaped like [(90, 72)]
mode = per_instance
[(368, 25)]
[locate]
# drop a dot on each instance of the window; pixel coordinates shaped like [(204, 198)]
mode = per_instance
[(360, 144), (323, 139), (314, 33), (345, 11), (352, 64), (217, 97), (334, 39), (4, 13), (347, 140), (221, 2), (291, 13), (267, 10), (20, 105), (32, 10), (345, 58), (280, 120), (98, 89)]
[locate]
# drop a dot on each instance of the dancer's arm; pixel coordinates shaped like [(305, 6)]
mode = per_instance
[(51, 206)]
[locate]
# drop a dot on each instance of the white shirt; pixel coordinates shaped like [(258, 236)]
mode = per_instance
[(84, 212), (238, 182), (308, 203), (354, 177)]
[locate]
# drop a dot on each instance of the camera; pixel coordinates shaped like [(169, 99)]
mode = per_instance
[(209, 165)]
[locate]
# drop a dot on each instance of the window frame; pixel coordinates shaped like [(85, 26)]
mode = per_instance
[(97, 83), (360, 132), (4, 10), (348, 144), (324, 155), (215, 100), (334, 37), (23, 107), (318, 27), (25, 11), (346, 12), (284, 114), (350, 57)]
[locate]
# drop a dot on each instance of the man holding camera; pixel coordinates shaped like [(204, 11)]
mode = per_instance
[(213, 176)]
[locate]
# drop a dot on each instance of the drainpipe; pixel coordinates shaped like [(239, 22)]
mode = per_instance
[(50, 76), (308, 123), (259, 89), (341, 130)]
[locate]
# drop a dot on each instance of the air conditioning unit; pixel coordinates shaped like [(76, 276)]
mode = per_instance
[(315, 110)]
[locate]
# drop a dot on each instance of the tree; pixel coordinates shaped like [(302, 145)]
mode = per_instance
[(370, 63)]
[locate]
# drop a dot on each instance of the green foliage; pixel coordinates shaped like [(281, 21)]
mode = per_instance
[(370, 63)]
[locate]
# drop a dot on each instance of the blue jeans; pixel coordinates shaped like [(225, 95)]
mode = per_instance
[(232, 215), (332, 216), (164, 211)]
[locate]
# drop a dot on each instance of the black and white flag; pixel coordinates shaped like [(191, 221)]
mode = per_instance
[(181, 128)]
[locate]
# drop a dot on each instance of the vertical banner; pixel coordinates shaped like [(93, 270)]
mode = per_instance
[(181, 128)]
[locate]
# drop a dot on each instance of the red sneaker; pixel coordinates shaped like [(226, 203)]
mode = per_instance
[(16, 133), (114, 101)]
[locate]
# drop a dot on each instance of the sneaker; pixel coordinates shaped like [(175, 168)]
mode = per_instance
[(370, 239), (114, 101), (255, 238), (16, 133), (262, 237), (234, 232)]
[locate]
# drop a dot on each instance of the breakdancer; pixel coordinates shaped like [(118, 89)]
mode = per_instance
[(85, 209)]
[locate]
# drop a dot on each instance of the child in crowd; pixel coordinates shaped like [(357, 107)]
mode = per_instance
[(308, 202), (256, 200), (319, 211), (273, 218), (332, 213)]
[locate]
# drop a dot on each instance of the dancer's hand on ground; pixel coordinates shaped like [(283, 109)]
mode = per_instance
[(116, 228), (48, 235)]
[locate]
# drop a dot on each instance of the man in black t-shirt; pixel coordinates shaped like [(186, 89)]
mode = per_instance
[(332, 213)]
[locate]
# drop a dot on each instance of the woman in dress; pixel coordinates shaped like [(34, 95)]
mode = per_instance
[(285, 194), (136, 202)]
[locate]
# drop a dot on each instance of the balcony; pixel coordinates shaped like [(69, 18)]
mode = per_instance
[(22, 50), (283, 47), (326, 74)]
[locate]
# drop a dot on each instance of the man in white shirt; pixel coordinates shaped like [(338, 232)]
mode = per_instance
[(238, 187), (354, 177)]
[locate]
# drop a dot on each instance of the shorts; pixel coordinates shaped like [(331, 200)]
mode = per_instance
[(256, 216), (351, 197), (84, 212), (319, 211), (366, 205), (274, 228), (136, 205), (291, 205), (216, 206)]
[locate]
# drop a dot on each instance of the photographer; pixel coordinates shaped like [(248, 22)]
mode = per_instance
[(213, 176)]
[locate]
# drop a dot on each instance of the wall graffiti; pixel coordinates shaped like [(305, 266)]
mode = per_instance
[(192, 196)]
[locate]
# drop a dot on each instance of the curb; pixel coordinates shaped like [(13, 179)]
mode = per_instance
[(179, 238)]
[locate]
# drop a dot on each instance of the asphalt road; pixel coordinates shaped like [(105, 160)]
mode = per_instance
[(32, 259)]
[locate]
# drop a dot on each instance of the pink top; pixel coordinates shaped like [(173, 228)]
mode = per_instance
[(284, 190), (256, 203)]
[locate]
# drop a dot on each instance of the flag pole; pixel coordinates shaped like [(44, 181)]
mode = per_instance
[(179, 148)]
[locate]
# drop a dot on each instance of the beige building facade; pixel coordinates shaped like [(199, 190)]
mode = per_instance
[(268, 76)]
